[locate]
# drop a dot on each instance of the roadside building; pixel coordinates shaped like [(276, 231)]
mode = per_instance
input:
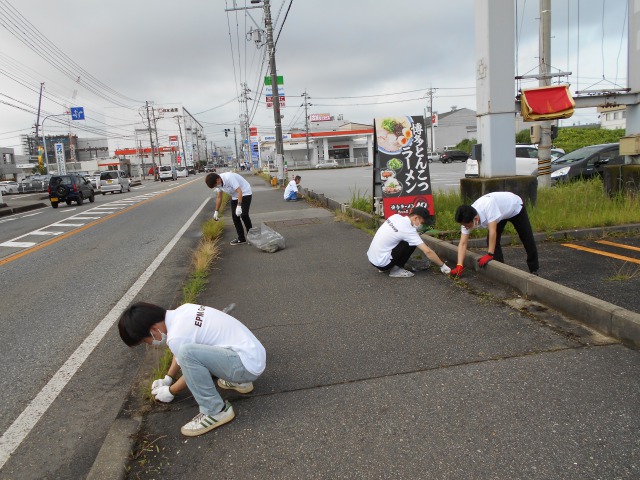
[(453, 127), (612, 118)]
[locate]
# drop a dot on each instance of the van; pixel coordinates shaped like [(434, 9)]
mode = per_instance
[(167, 172), (114, 181)]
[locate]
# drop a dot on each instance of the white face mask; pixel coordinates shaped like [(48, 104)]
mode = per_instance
[(159, 343), (418, 227)]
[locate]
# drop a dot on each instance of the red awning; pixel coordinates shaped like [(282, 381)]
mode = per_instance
[(546, 103)]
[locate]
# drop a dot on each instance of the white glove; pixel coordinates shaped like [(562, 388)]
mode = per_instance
[(161, 382), (215, 215), (238, 210), (162, 394), (444, 269)]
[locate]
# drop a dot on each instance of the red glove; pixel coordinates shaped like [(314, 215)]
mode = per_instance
[(485, 259), (456, 272)]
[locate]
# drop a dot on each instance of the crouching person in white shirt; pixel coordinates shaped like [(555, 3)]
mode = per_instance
[(395, 241), (204, 342), (291, 193)]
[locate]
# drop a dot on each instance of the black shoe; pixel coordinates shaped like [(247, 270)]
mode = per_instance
[(535, 273), (237, 241)]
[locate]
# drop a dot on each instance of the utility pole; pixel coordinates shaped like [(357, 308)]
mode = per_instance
[(184, 152), (235, 140), (153, 158), (432, 144), (274, 80), (155, 127), (306, 120), (544, 147), (37, 128)]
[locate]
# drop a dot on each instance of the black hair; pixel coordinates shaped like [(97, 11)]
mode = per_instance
[(211, 180), (298, 177), (136, 322), (465, 214)]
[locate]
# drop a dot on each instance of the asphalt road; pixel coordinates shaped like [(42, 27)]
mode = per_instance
[(57, 291), (342, 184)]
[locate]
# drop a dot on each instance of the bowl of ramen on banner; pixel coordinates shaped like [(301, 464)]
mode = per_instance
[(391, 186), (393, 134)]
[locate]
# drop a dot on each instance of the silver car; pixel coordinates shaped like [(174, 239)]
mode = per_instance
[(114, 181)]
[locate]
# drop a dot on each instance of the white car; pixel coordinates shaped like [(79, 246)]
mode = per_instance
[(9, 187), (182, 172), (167, 172), (329, 164), (114, 181), (526, 161)]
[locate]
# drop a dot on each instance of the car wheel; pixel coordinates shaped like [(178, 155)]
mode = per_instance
[(92, 198), (104, 193), (80, 199), (54, 204), (68, 202)]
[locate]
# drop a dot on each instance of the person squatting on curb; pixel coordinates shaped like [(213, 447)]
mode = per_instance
[(204, 342), (241, 194), (395, 241), (493, 211), (291, 193)]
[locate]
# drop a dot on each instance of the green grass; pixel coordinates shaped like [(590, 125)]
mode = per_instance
[(571, 206)]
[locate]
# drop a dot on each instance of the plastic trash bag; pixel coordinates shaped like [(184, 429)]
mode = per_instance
[(266, 239)]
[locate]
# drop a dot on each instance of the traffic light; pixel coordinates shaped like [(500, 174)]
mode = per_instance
[(226, 132)]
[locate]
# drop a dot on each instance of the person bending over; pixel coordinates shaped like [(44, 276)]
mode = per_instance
[(240, 191)]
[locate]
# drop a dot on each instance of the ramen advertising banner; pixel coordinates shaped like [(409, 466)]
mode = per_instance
[(402, 166)]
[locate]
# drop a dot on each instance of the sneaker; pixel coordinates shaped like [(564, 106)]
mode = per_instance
[(238, 387), (202, 422), (397, 272), (237, 241)]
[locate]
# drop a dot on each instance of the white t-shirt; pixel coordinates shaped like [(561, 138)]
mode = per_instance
[(231, 182), (202, 325), (395, 229), (494, 207), (291, 187)]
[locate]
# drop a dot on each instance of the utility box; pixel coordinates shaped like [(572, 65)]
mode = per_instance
[(630, 145)]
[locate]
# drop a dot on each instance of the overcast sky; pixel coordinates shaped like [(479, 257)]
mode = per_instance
[(353, 57)]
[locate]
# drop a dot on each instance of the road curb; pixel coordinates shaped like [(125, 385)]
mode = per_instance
[(22, 208), (112, 458)]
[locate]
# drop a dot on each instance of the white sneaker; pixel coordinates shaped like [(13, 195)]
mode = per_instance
[(397, 272), (238, 387), (202, 423)]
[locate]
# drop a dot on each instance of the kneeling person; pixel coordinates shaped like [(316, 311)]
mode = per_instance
[(395, 241), (291, 193), (204, 342)]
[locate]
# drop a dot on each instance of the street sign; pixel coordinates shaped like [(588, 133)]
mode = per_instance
[(62, 167), (173, 140), (77, 113)]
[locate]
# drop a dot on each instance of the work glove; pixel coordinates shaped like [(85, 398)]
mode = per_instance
[(238, 210), (215, 215), (162, 394), (456, 272), (485, 259), (445, 269), (161, 382)]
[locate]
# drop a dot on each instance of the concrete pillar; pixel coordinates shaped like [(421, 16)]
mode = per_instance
[(495, 71), (633, 65), (325, 149), (351, 157), (370, 149)]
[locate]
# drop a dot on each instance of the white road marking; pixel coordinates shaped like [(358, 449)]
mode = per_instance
[(8, 220), (20, 428), (84, 218), (17, 244), (68, 224), (31, 214), (41, 232)]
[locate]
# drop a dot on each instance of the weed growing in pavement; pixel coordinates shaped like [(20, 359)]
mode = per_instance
[(627, 271), (364, 203)]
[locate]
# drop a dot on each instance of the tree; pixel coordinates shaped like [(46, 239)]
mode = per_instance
[(465, 145), (523, 136)]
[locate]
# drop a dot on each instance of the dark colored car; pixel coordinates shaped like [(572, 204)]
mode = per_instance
[(70, 188), (586, 162), (453, 155)]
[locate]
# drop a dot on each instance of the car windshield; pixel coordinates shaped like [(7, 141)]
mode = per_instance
[(165, 168), (577, 155), (108, 175), (181, 169)]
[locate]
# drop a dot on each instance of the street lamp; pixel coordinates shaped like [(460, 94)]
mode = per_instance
[(44, 140)]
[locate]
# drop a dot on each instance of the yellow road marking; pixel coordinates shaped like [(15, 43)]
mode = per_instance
[(619, 245), (600, 252), (39, 246)]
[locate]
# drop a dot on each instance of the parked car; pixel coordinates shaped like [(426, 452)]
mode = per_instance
[(69, 188), (191, 170), (526, 161), (114, 181), (182, 172), (586, 162), (433, 157), (40, 182), (9, 186), (329, 164), (167, 172), (94, 178), (453, 155)]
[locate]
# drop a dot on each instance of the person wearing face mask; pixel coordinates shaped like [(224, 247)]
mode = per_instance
[(204, 342), (395, 241), (492, 211)]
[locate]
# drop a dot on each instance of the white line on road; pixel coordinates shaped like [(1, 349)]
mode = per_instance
[(41, 232), (31, 214), (17, 244), (20, 428), (68, 224)]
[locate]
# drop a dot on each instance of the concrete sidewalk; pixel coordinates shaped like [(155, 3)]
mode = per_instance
[(374, 377)]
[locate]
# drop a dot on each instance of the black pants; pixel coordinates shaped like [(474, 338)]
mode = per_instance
[(523, 227), (246, 204), (399, 255)]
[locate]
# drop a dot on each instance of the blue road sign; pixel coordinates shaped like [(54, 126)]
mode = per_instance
[(77, 113)]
